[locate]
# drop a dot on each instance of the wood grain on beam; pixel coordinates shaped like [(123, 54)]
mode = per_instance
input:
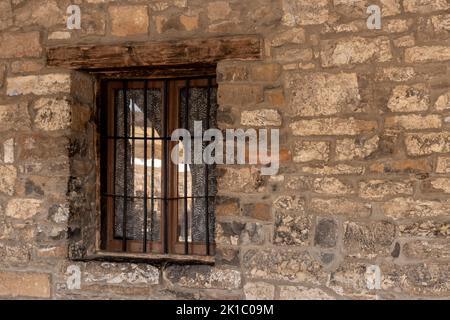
[(171, 53)]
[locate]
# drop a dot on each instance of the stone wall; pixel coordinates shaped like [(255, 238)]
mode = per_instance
[(360, 207)]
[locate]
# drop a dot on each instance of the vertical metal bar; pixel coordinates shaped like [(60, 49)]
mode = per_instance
[(145, 169), (125, 168), (186, 126), (166, 167), (152, 180), (116, 121), (207, 171), (133, 146)]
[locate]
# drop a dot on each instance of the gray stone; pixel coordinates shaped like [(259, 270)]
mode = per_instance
[(326, 233)]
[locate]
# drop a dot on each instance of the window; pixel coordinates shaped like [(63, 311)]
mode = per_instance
[(149, 204)]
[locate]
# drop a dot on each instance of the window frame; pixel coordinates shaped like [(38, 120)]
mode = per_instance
[(170, 246)]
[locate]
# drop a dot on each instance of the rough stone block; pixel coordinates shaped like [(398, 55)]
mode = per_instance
[(128, 20), (39, 85), (25, 284), (356, 50), (321, 94)]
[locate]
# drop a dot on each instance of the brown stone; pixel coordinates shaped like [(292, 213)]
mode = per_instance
[(52, 252), (246, 180), (332, 126), (333, 170), (397, 74), (39, 85), (360, 148), (355, 51), (443, 102), (351, 279), (282, 264), (218, 10), (331, 186), (26, 66), (304, 12), (2, 74), (237, 233), (268, 72), (426, 229), (14, 117), (325, 94), (18, 45), (427, 249), (260, 211), (421, 279), (341, 206), (402, 208), (15, 254), (292, 228), (305, 151), (230, 72), (6, 15), (414, 122), (115, 274), (240, 95), (427, 54), (402, 166), (443, 165), (8, 176), (439, 185), (291, 36), (409, 98), (203, 277), (189, 23), (52, 114), (35, 148), (93, 22), (274, 97), (424, 6), (25, 284), (227, 207), (23, 208), (261, 118), (45, 13), (128, 20), (259, 291), (379, 189), (290, 55), (418, 144), (405, 41), (303, 293), (368, 240)]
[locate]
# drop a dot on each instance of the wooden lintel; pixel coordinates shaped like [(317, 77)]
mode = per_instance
[(200, 51)]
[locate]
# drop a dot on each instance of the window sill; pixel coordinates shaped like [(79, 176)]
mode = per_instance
[(149, 258)]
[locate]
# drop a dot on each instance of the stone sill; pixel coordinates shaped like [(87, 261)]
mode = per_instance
[(149, 258)]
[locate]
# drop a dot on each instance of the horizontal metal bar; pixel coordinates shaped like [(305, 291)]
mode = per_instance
[(136, 138), (155, 198)]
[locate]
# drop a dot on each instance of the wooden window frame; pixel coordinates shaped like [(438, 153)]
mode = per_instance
[(169, 243)]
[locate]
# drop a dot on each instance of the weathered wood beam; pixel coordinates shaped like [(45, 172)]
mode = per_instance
[(170, 53)]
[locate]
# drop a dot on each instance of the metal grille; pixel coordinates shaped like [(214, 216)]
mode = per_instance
[(149, 204)]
